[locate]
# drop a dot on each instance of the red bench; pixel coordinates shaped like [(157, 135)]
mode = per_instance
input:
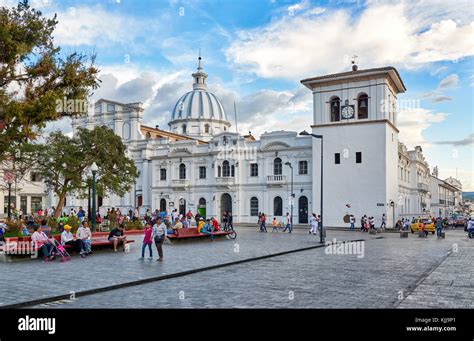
[(192, 232), (94, 242)]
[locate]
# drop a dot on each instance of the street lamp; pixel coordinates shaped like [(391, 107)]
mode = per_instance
[(305, 133), (292, 196), (94, 170), (9, 180)]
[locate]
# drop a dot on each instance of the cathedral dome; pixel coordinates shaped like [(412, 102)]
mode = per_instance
[(199, 113), (199, 104)]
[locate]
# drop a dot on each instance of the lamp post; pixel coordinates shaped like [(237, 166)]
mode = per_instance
[(7, 176), (94, 170), (292, 195), (322, 232)]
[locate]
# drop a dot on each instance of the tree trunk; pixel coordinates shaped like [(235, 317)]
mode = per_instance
[(60, 205)]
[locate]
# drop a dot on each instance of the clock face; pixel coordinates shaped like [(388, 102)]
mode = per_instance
[(347, 112)]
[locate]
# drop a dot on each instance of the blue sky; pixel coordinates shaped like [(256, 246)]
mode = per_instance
[(255, 52)]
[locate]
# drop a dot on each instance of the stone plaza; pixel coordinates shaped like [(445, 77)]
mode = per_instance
[(391, 272)]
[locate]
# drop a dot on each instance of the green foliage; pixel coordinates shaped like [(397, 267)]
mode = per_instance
[(64, 163), (35, 75), (14, 228), (74, 222), (133, 225)]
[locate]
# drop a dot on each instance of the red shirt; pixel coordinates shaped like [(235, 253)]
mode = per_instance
[(215, 224)]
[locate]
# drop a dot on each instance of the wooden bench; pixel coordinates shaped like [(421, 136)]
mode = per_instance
[(192, 232), (95, 242)]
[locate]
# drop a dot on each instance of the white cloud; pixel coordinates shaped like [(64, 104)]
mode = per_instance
[(303, 45), (450, 81), (92, 25), (413, 122)]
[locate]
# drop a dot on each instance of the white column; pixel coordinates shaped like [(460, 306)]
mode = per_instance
[(146, 184)]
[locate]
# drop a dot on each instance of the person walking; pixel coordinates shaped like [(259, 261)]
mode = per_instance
[(439, 226), (147, 241), (274, 224), (288, 223), (352, 221), (159, 236), (263, 226), (313, 222), (384, 221)]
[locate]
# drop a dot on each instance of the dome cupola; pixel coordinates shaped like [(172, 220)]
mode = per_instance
[(199, 113)]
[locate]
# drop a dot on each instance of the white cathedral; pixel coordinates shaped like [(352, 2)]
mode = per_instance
[(201, 165)]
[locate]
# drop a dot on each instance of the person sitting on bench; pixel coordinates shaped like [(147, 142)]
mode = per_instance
[(208, 229), (67, 238), (42, 242), (116, 236)]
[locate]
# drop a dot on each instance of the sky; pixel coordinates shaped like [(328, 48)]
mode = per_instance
[(257, 51)]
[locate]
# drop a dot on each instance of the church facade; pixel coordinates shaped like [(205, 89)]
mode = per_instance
[(201, 165)]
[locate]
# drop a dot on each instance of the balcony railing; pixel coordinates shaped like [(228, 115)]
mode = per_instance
[(228, 180), (423, 187), (276, 179), (180, 182)]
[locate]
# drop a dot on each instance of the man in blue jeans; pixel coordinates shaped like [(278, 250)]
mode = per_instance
[(439, 226)]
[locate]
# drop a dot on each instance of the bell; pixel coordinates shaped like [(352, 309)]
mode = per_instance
[(335, 104), (362, 105)]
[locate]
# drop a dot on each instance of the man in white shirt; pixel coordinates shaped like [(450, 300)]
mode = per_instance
[(313, 222), (84, 233)]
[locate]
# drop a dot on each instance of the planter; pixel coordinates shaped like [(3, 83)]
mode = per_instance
[(11, 239), (24, 239)]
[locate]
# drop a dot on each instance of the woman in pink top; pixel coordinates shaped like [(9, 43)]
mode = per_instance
[(147, 240), (41, 241)]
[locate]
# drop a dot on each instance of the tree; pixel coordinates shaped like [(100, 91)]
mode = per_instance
[(35, 77), (64, 162)]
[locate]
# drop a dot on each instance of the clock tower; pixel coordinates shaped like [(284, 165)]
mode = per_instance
[(355, 111)]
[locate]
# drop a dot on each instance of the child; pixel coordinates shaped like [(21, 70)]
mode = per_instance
[(147, 240), (275, 225)]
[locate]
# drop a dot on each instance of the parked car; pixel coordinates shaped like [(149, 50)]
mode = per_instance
[(422, 223)]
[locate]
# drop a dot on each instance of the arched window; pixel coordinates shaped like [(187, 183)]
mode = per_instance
[(363, 106), (218, 171), (163, 205), (225, 169), (335, 106), (206, 128), (277, 207), (182, 171), (253, 206), (277, 166), (232, 171), (183, 127)]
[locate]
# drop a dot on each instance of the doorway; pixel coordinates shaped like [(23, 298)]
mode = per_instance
[(303, 210)]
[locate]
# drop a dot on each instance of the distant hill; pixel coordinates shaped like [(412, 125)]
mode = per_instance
[(468, 195)]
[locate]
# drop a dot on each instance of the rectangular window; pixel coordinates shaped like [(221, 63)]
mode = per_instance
[(202, 172), (162, 174), (5, 203), (36, 204), (303, 167), (358, 157), (35, 177), (337, 158), (23, 203), (254, 169)]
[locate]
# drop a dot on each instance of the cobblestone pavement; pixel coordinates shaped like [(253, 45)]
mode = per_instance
[(32, 279), (394, 272)]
